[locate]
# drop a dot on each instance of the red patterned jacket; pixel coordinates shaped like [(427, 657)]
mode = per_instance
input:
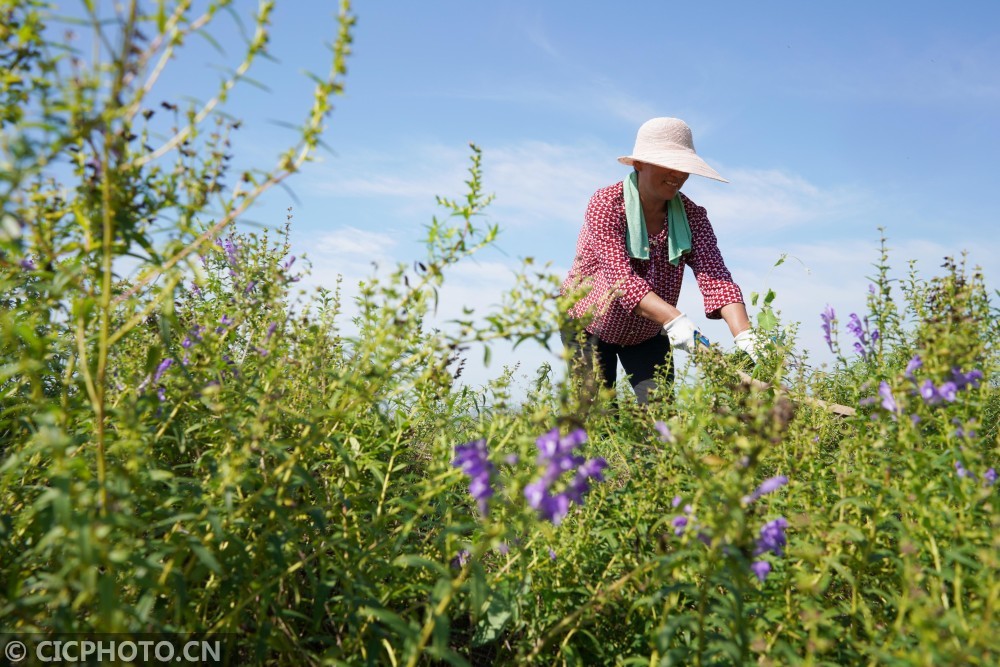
[(617, 282)]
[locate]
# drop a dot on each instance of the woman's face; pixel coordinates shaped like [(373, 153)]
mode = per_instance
[(659, 182)]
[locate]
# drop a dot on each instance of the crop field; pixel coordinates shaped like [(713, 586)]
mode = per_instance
[(198, 450)]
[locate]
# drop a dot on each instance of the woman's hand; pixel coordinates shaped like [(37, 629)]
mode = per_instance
[(682, 333)]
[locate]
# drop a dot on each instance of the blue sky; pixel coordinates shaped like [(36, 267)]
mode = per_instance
[(830, 120)]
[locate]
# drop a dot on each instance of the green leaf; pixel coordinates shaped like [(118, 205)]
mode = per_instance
[(206, 557), (766, 320), (393, 621), (493, 622)]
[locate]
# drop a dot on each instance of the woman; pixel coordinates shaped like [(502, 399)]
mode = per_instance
[(637, 237)]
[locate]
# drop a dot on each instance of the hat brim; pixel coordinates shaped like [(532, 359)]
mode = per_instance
[(685, 161)]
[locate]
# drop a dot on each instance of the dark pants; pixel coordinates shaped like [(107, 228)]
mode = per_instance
[(639, 361)]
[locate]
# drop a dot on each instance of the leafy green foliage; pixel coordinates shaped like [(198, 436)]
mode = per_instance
[(203, 449)]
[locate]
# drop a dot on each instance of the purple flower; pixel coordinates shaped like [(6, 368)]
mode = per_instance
[(460, 559), (473, 459), (929, 393), (162, 368), (557, 455), (990, 477), (288, 264), (772, 537), (27, 264), (664, 431), (767, 486), (962, 380), (915, 363), (888, 400), (973, 377), (963, 471), (232, 250), (270, 330), (676, 501), (679, 523), (860, 331), (552, 553), (828, 316), (948, 391), (761, 569), (503, 548), (854, 326)]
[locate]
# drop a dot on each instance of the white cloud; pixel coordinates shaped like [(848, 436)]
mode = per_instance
[(536, 183), (353, 242), (540, 183), (761, 201)]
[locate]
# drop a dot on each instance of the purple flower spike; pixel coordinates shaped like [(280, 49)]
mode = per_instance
[(888, 400), (772, 484), (828, 316), (162, 368), (772, 537), (232, 251), (766, 487), (557, 456), (473, 459), (761, 569)]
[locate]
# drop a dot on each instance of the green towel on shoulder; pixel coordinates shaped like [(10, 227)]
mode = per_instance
[(636, 238)]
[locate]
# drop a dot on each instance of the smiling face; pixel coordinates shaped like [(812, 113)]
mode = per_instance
[(659, 183)]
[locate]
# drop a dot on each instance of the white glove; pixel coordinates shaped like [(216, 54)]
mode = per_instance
[(683, 334), (750, 342)]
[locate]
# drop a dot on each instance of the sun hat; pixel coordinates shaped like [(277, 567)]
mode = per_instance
[(667, 142)]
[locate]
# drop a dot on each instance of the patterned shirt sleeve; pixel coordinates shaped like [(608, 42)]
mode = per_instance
[(714, 280), (606, 223)]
